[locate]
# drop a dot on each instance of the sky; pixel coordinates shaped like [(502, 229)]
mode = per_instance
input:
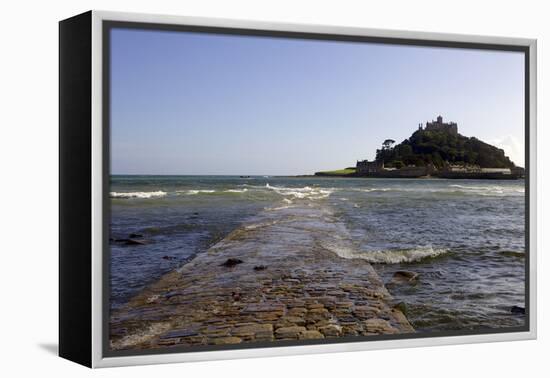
[(193, 103)]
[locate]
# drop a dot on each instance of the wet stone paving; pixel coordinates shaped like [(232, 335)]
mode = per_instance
[(276, 278)]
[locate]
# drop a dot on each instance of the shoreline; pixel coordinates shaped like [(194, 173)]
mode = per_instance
[(279, 278), (488, 177)]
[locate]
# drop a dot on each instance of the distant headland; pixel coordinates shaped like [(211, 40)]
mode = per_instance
[(436, 149)]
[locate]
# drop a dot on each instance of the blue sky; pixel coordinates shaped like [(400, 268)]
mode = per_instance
[(191, 103)]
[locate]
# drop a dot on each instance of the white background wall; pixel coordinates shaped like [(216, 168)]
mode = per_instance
[(28, 197)]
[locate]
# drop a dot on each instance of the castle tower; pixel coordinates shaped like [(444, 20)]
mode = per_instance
[(439, 125)]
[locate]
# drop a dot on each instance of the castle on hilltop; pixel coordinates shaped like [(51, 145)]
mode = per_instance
[(435, 150), (439, 125)]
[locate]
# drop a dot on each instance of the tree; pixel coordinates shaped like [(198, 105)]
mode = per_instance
[(440, 148), (404, 149), (398, 164)]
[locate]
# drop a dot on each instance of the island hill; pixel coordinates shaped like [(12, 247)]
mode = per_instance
[(435, 150)]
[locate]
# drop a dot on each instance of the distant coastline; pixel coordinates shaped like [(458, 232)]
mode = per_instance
[(412, 175)]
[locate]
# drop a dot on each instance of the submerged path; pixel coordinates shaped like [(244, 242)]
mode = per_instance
[(281, 277)]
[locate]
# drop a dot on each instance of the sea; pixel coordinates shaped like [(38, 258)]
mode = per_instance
[(463, 240)]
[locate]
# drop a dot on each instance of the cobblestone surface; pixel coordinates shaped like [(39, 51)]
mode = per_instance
[(304, 290)]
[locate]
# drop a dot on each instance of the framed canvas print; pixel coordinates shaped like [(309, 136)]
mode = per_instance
[(234, 189)]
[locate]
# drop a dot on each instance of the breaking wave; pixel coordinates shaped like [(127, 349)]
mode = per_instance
[(305, 192), (488, 190), (156, 194), (396, 256), (491, 190), (479, 189), (390, 256), (236, 190), (195, 191)]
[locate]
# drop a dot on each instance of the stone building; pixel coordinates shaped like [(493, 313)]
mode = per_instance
[(366, 166), (439, 125)]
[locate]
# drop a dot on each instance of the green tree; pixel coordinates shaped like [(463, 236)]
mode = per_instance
[(440, 148)]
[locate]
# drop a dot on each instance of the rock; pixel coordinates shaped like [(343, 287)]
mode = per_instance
[(288, 320), (296, 303), (402, 321), (378, 326), (134, 242), (231, 262), (260, 267), (236, 296), (225, 340), (289, 332), (297, 311), (404, 277), (315, 315), (179, 333), (351, 330), (168, 257), (134, 235), (213, 331), (318, 310), (312, 306), (264, 337), (328, 302), (517, 310), (258, 331), (268, 316), (310, 334), (401, 306), (347, 320), (331, 330), (344, 304), (366, 311), (256, 308)]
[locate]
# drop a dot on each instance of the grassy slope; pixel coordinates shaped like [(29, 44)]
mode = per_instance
[(339, 172)]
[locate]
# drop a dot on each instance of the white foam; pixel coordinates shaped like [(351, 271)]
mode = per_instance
[(497, 189), (390, 256), (305, 192), (368, 190), (488, 190), (397, 256), (195, 191), (491, 190), (236, 190), (142, 195)]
